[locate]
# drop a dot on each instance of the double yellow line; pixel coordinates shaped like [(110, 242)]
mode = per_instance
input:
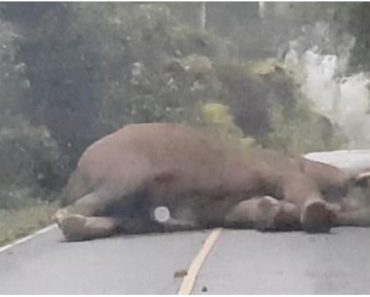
[(188, 282)]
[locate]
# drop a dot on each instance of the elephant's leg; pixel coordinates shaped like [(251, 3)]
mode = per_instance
[(316, 216), (358, 217), (287, 218), (173, 224), (265, 214), (89, 205), (256, 212), (85, 219), (77, 227), (180, 218)]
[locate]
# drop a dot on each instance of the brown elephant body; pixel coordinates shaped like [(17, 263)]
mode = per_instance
[(122, 178)]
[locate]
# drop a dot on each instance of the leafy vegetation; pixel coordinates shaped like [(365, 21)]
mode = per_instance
[(17, 223), (301, 131)]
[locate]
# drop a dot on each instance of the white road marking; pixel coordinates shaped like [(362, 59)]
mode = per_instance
[(189, 280), (24, 239)]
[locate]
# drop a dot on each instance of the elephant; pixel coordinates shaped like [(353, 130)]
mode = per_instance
[(346, 189), (270, 214), (197, 179)]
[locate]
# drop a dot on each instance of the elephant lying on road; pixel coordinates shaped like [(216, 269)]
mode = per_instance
[(123, 178)]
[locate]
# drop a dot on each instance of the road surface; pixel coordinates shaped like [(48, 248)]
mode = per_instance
[(240, 262)]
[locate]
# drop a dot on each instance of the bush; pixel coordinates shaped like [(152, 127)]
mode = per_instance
[(250, 89), (301, 130), (17, 223), (31, 163), (217, 118)]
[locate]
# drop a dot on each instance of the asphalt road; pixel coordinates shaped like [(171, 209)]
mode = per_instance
[(249, 262), (241, 262), (119, 265)]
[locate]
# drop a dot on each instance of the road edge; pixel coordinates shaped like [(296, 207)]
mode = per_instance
[(27, 238)]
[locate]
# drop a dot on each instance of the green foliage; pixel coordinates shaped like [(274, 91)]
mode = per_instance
[(31, 163), (13, 82), (251, 88), (217, 118), (359, 25), (14, 197), (18, 223), (300, 130), (137, 46)]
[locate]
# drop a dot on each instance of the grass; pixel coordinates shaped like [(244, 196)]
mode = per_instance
[(18, 223)]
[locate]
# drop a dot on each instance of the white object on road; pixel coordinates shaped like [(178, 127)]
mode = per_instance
[(161, 214), (351, 162)]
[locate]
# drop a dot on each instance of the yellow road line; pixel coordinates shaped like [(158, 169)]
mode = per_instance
[(189, 280)]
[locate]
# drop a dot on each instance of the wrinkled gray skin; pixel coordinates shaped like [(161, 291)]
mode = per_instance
[(203, 181)]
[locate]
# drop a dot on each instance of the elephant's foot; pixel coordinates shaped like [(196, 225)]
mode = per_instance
[(73, 227), (317, 217), (257, 213), (277, 215), (264, 214), (70, 224), (60, 215), (77, 227), (287, 217), (267, 209)]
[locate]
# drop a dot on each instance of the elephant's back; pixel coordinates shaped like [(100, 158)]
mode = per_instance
[(141, 152)]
